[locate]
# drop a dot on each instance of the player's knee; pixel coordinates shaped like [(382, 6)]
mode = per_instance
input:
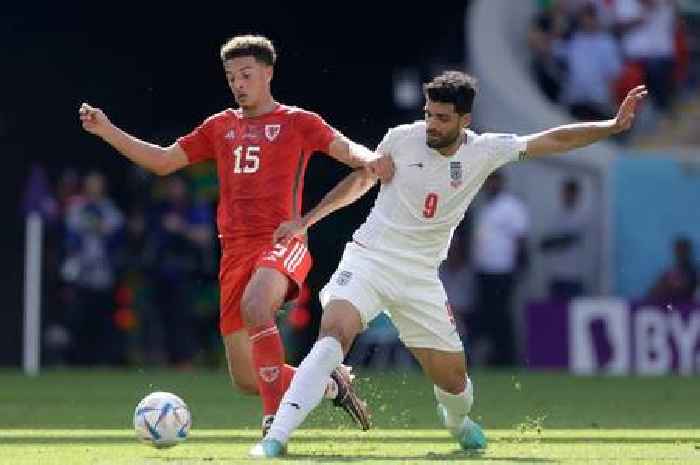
[(245, 387), (255, 309), (340, 332)]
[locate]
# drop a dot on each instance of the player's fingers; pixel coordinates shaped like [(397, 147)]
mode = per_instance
[(378, 168), (638, 89), (85, 108), (381, 174), (388, 168), (386, 176), (88, 114), (637, 96), (391, 167)]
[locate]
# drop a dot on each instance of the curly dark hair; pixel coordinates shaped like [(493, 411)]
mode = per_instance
[(453, 87), (259, 47)]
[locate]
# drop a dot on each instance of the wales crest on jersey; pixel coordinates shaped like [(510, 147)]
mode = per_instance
[(272, 131), (456, 174)]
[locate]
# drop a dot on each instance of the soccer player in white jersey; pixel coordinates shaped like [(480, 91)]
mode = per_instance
[(392, 261)]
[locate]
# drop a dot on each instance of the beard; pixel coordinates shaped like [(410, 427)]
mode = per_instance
[(442, 142)]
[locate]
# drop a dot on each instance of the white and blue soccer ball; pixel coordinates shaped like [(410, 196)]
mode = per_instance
[(162, 420)]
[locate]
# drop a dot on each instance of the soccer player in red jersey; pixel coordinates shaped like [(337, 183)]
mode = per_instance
[(261, 150)]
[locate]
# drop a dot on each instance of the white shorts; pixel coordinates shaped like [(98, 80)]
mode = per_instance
[(411, 294)]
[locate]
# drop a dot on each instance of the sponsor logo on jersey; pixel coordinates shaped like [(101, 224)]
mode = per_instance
[(272, 131), (230, 134), (343, 278), (418, 165), (456, 175)]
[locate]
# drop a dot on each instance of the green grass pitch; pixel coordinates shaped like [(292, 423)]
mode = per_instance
[(84, 417)]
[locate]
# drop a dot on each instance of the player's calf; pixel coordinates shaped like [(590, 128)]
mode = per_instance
[(238, 358)]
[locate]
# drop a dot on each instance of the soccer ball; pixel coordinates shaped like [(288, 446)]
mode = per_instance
[(162, 420)]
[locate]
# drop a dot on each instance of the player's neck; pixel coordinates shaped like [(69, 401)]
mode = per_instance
[(453, 147), (267, 105)]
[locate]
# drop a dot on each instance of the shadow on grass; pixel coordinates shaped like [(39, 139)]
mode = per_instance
[(334, 458), (431, 456), (250, 438)]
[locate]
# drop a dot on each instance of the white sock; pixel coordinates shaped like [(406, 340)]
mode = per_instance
[(457, 406), (307, 388)]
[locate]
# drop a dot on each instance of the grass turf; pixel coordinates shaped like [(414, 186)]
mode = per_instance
[(84, 417)]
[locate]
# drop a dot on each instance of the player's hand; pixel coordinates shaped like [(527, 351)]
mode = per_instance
[(382, 167), (626, 113), (93, 119), (288, 230)]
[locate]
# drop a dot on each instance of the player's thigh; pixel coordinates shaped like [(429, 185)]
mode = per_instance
[(341, 320), (235, 272), (427, 327), (448, 370), (263, 295), (423, 316), (354, 295), (240, 361)]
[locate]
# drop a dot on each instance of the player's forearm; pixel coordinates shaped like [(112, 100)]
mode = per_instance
[(149, 156), (570, 137), (347, 191), (360, 154), (352, 154)]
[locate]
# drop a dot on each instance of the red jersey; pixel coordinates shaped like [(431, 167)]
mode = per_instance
[(260, 163)]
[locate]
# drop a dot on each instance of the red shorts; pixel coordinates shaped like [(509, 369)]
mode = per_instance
[(292, 260)]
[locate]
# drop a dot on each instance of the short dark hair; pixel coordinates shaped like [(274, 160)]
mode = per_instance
[(453, 87), (259, 47)]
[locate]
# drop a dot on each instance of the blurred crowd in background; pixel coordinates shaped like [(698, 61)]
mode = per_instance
[(131, 280), (587, 54), (136, 281)]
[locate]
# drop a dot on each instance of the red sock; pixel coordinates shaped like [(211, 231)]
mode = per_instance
[(287, 375), (268, 361)]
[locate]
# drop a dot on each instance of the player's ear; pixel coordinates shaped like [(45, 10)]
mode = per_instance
[(269, 72), (466, 120)]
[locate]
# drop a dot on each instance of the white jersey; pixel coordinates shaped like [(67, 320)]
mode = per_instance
[(415, 215)]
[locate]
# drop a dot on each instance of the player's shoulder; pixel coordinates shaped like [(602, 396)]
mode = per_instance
[(491, 139), (222, 117), (295, 112), (486, 137), (300, 118), (409, 130)]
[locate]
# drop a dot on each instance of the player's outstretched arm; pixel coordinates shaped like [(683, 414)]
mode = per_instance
[(157, 159), (358, 156), (354, 186), (572, 136)]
